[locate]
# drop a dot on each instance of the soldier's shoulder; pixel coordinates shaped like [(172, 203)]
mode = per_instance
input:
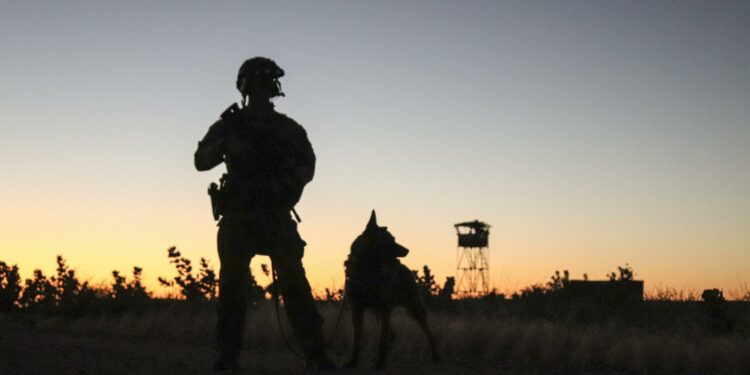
[(286, 120), (219, 125), (289, 124)]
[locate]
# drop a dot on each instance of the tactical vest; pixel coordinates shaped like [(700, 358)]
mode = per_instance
[(260, 168)]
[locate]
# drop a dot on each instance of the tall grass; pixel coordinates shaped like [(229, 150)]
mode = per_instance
[(465, 338), (539, 329)]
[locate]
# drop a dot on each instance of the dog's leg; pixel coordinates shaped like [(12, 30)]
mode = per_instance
[(357, 318), (385, 330), (420, 315)]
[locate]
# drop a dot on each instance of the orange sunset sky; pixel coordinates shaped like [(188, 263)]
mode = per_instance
[(588, 134)]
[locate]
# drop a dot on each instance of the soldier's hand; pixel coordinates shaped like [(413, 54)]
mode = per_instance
[(209, 154)]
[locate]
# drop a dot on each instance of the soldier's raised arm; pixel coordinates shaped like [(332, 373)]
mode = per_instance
[(212, 147)]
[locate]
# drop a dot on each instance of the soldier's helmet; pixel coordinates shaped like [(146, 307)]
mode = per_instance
[(261, 67)]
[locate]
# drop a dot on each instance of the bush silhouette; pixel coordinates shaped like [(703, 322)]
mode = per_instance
[(128, 294), (10, 287), (71, 294), (448, 289), (624, 274), (331, 295), (38, 293), (558, 281), (62, 293), (200, 287), (428, 288), (256, 293)]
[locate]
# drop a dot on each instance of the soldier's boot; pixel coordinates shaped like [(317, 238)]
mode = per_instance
[(316, 358), (226, 360), (228, 328), (320, 364)]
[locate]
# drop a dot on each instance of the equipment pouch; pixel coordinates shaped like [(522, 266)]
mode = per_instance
[(217, 201)]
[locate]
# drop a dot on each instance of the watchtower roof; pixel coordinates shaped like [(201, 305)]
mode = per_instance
[(476, 225)]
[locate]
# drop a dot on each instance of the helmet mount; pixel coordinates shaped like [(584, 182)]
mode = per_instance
[(259, 72)]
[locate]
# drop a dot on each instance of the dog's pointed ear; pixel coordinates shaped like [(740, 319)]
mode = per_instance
[(373, 223)]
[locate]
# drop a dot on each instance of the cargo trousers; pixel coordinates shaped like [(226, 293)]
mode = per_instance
[(272, 233)]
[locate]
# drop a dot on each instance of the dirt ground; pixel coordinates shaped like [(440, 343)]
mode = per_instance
[(29, 352), (178, 340)]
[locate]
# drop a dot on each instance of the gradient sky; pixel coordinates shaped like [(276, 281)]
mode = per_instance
[(588, 134)]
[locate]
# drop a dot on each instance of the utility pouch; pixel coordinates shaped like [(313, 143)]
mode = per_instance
[(217, 198)]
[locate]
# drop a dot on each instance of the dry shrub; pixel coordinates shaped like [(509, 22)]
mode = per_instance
[(528, 349), (621, 354), (588, 352), (722, 355), (409, 341), (262, 327), (556, 342), (672, 294), (464, 339), (505, 341)]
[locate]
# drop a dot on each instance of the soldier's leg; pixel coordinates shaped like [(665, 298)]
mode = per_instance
[(233, 284), (299, 304)]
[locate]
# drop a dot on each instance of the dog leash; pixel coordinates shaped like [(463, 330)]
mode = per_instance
[(276, 298), (338, 319), (276, 302)]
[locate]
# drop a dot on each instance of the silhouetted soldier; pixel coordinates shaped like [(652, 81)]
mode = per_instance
[(269, 160)]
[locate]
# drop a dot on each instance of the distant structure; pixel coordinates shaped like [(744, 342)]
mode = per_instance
[(472, 259), (610, 293)]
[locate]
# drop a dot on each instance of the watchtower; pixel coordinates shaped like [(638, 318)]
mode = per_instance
[(472, 259)]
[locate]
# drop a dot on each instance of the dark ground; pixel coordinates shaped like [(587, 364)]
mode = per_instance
[(26, 352), (478, 338)]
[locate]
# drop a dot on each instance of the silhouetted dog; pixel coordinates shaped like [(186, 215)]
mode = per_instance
[(376, 279)]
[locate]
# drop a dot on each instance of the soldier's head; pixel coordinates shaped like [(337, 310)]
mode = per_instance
[(258, 79)]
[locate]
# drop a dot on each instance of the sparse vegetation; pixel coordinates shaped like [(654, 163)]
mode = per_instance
[(129, 294), (539, 329), (623, 274), (330, 295), (449, 288), (200, 287), (672, 294), (430, 292), (10, 287), (558, 281), (428, 288), (61, 294), (674, 342)]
